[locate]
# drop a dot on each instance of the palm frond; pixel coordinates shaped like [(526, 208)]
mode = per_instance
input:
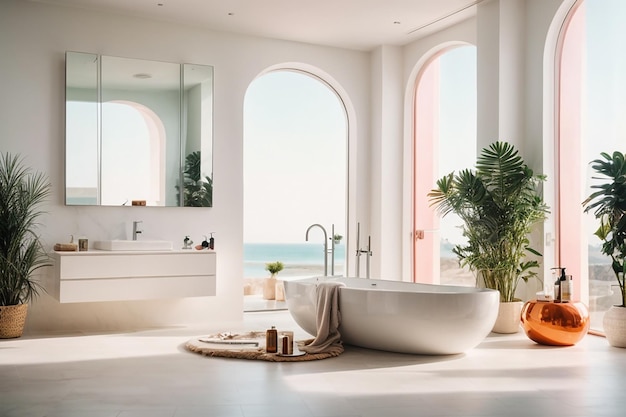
[(608, 203), (498, 203), (21, 253)]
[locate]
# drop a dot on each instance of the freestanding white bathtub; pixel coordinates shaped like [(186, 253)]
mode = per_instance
[(401, 316)]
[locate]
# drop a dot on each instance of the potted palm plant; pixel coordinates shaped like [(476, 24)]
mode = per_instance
[(21, 252), (269, 286), (608, 204), (498, 202)]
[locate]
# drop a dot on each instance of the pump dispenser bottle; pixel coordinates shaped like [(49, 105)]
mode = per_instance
[(562, 287)]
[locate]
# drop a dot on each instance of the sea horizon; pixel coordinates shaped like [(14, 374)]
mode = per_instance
[(299, 259)]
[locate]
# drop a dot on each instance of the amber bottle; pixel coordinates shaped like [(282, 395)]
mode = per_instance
[(271, 340)]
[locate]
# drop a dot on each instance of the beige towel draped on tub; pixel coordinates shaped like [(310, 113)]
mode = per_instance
[(328, 319)]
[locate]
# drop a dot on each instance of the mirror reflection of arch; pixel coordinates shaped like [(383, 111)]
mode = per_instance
[(137, 142)]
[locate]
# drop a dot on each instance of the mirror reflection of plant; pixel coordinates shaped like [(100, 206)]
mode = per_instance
[(498, 203), (609, 206), (196, 191)]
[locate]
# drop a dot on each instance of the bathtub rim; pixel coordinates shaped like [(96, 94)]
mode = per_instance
[(460, 288)]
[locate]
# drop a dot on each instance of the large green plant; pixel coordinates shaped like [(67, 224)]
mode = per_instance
[(21, 252), (609, 206), (498, 203)]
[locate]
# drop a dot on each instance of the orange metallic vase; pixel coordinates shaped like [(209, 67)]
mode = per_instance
[(557, 324)]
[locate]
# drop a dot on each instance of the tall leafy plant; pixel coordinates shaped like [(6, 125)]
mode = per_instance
[(608, 204), (21, 252), (498, 203)]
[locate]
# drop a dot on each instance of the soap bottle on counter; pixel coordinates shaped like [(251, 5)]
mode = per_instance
[(271, 340), (557, 284), (562, 287), (566, 288)]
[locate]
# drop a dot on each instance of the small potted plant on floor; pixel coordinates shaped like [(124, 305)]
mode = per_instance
[(21, 252), (269, 286), (608, 204), (498, 202)]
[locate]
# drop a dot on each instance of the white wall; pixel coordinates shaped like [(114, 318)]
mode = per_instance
[(33, 41), (386, 146), (543, 22)]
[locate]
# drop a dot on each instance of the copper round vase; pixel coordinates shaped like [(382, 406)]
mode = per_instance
[(557, 324)]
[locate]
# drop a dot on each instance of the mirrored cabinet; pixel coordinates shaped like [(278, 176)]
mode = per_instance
[(138, 131)]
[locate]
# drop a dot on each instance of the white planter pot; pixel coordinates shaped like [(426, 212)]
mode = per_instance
[(509, 318), (614, 323), (269, 288)]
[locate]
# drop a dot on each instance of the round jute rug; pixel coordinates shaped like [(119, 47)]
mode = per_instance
[(248, 345)]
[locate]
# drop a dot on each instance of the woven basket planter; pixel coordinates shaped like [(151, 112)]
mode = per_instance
[(12, 319)]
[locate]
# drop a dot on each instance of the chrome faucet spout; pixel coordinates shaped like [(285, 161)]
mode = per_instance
[(325, 244), (136, 228)]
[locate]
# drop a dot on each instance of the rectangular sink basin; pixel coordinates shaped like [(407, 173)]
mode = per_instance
[(128, 245)]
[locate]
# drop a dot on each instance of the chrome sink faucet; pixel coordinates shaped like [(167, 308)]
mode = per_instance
[(136, 228), (325, 245)]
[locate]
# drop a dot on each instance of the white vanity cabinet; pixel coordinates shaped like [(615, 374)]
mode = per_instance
[(132, 275)]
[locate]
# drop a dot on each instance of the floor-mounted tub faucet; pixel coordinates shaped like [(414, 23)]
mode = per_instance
[(136, 228), (325, 245), (359, 252)]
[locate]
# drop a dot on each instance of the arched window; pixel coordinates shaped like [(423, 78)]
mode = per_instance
[(591, 107), (295, 175), (444, 141)]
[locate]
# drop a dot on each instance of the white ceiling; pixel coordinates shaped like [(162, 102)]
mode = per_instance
[(353, 24)]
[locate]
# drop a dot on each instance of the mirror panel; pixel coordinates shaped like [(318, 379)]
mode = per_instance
[(198, 116), (140, 131), (82, 160), (127, 134)]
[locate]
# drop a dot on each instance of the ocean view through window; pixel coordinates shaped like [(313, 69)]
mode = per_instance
[(300, 259)]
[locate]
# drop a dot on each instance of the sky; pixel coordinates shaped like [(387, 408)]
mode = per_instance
[(457, 123), (604, 86), (295, 158)]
